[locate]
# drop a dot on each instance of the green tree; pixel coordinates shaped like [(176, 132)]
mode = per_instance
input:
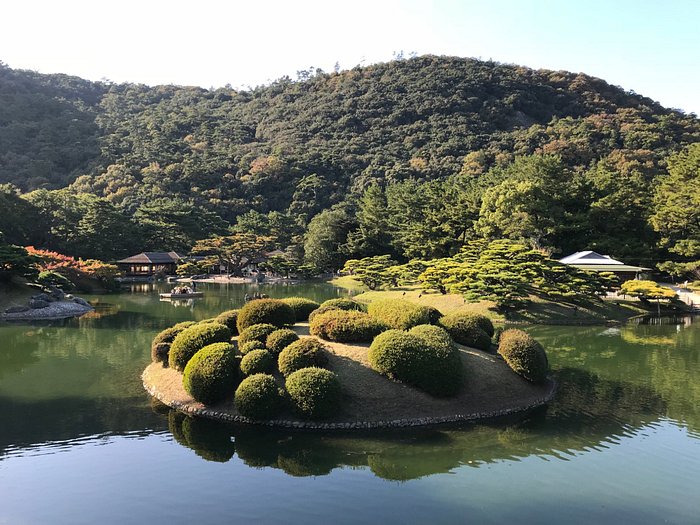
[(174, 224), (372, 235), (233, 252), (371, 271), (326, 233), (16, 262), (677, 207)]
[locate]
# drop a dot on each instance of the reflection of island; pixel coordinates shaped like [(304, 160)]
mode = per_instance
[(587, 413)]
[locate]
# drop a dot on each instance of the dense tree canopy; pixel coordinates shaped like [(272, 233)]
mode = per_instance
[(410, 158)]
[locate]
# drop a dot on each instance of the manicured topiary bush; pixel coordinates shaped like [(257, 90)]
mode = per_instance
[(194, 338), (228, 318), (249, 346), (433, 314), (425, 359), (302, 354), (265, 311), (161, 342), (256, 332), (212, 373), (280, 339), (336, 304), (399, 313), (524, 355), (467, 329), (346, 326), (314, 392), (434, 335), (258, 397), (302, 307), (257, 362)]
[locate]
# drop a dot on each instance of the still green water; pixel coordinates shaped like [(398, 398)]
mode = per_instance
[(80, 441)]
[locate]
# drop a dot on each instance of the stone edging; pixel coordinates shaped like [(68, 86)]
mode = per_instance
[(189, 409)]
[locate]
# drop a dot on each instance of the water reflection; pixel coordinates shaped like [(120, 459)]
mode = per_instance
[(589, 413)]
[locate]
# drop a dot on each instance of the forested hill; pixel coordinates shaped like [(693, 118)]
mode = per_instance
[(301, 146)]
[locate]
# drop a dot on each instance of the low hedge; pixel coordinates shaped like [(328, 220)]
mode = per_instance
[(193, 339), (212, 373), (302, 307), (302, 354), (160, 346), (257, 362), (346, 326), (249, 346), (399, 313), (280, 339), (265, 311), (314, 392), (336, 304), (256, 332), (524, 355), (229, 318), (258, 397), (424, 358), (467, 329)]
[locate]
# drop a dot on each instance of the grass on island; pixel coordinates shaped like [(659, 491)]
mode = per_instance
[(539, 310)]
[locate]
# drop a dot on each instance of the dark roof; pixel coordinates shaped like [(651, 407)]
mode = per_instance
[(152, 258)]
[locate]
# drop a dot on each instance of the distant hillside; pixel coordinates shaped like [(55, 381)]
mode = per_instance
[(307, 143)]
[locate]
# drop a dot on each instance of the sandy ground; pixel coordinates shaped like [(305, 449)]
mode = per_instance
[(490, 389)]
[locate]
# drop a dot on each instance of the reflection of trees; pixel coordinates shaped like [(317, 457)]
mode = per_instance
[(209, 440), (663, 357), (588, 412)]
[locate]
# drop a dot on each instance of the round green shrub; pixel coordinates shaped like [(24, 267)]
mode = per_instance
[(258, 397), (336, 304), (302, 354), (161, 342), (302, 307), (346, 326), (256, 332), (467, 330), (265, 311), (481, 321), (434, 335), (399, 313), (228, 318), (425, 359), (431, 313), (524, 355), (194, 338), (314, 392), (280, 339), (249, 346), (257, 362), (212, 373)]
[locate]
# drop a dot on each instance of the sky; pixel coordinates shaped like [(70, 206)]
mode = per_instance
[(651, 47)]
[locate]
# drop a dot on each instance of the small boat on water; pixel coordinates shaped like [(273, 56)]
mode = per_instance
[(190, 295)]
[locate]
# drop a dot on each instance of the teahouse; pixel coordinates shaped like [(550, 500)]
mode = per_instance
[(146, 264), (590, 260)]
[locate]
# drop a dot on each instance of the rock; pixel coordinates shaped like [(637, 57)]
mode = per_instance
[(80, 301), (68, 297), (16, 309), (35, 304), (41, 297), (56, 293)]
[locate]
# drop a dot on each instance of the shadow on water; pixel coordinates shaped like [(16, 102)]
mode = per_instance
[(589, 413)]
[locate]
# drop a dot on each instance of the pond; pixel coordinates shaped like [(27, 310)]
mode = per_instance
[(81, 442)]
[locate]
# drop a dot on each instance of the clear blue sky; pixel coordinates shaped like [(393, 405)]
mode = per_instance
[(651, 47)]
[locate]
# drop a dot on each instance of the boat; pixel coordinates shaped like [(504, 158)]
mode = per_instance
[(190, 295)]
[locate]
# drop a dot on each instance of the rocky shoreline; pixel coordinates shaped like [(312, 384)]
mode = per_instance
[(48, 305)]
